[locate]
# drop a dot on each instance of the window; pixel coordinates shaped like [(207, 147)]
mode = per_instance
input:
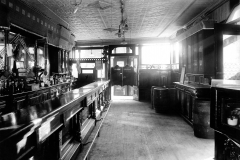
[(231, 57), (234, 15), (1, 46), (74, 70), (31, 51), (101, 73), (120, 50), (95, 53), (40, 58), (85, 71), (136, 50), (120, 63), (176, 53), (156, 54), (76, 54), (87, 65)]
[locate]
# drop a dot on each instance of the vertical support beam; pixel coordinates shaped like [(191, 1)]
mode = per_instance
[(140, 54), (109, 70), (64, 61), (67, 61), (35, 54), (59, 60), (6, 64), (46, 58)]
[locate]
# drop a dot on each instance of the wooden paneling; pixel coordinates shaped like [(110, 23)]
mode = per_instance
[(184, 53), (208, 52), (195, 53), (189, 54), (21, 15), (221, 13), (200, 53)]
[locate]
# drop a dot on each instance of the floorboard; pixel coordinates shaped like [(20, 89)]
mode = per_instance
[(133, 131)]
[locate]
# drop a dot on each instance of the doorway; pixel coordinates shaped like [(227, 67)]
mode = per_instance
[(124, 71)]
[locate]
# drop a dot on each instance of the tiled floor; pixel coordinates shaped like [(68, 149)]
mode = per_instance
[(133, 131)]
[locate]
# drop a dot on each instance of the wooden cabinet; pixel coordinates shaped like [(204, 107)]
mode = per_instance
[(189, 54), (225, 104), (206, 53), (187, 94), (197, 54)]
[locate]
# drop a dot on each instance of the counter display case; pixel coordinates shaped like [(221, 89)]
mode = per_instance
[(187, 94), (225, 116), (193, 100)]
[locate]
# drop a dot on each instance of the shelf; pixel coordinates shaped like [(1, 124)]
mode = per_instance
[(83, 155)]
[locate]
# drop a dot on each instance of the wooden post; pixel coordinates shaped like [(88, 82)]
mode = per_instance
[(35, 54), (46, 56), (6, 67)]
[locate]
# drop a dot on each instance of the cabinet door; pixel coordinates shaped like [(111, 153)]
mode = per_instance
[(200, 52), (187, 106), (182, 102), (189, 55), (180, 56), (195, 53), (184, 54), (208, 52)]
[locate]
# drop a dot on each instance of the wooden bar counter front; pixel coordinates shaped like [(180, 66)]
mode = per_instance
[(52, 128)]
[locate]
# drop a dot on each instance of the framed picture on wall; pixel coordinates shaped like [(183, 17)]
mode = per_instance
[(182, 75)]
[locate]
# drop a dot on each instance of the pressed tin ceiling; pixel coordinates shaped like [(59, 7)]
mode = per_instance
[(148, 20)]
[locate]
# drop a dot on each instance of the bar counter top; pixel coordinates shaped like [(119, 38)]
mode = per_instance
[(48, 110), (193, 85)]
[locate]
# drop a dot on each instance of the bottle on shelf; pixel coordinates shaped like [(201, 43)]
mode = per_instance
[(16, 87), (11, 87)]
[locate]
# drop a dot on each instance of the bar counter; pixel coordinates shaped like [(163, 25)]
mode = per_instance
[(48, 129), (194, 102)]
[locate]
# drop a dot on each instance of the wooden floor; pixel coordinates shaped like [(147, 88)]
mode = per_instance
[(133, 131)]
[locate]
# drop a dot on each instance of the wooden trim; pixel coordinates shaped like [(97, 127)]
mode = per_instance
[(88, 48)]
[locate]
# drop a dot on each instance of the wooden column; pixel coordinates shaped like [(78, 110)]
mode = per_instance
[(35, 54), (46, 58), (6, 64)]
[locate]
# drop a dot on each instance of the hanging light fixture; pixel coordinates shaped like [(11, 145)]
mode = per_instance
[(76, 4)]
